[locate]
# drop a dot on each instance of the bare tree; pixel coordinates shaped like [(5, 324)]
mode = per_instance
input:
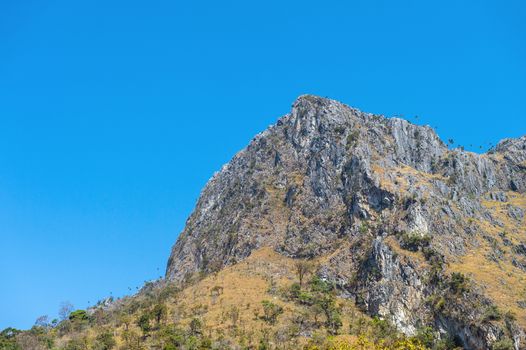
[(42, 321), (65, 309), (302, 268)]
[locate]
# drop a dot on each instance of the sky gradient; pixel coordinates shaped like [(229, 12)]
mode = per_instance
[(113, 114)]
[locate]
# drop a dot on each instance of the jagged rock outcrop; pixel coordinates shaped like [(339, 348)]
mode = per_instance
[(388, 210)]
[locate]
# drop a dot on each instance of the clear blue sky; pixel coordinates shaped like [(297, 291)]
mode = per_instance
[(115, 113)]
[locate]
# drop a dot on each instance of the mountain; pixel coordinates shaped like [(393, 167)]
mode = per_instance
[(410, 230), (333, 229)]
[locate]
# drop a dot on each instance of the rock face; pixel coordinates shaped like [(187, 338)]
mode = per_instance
[(415, 232)]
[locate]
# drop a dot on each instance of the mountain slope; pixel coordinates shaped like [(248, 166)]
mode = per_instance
[(256, 304), (412, 231)]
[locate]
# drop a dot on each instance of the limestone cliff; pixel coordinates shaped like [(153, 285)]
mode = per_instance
[(412, 231)]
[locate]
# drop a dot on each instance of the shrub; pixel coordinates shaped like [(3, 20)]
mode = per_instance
[(502, 344), (447, 343), (436, 260), (192, 343), (306, 298), (492, 313), (434, 257), (382, 330), (263, 344), (363, 228), (294, 291), (438, 303), (414, 241), (271, 311), (510, 317), (458, 282), (206, 343), (196, 327), (319, 285), (352, 139), (169, 290), (425, 336)]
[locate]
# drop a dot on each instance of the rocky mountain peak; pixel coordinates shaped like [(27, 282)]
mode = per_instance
[(381, 203)]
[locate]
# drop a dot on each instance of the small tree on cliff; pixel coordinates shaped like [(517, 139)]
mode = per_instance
[(302, 268)]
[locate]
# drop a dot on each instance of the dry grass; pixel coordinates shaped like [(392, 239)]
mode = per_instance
[(244, 286), (501, 281), (265, 275), (240, 288), (415, 257), (400, 179)]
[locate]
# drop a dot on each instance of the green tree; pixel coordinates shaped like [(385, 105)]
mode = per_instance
[(327, 303), (79, 316), (159, 313), (79, 319), (126, 320), (144, 323)]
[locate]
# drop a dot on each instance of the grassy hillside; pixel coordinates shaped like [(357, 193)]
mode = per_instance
[(255, 304)]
